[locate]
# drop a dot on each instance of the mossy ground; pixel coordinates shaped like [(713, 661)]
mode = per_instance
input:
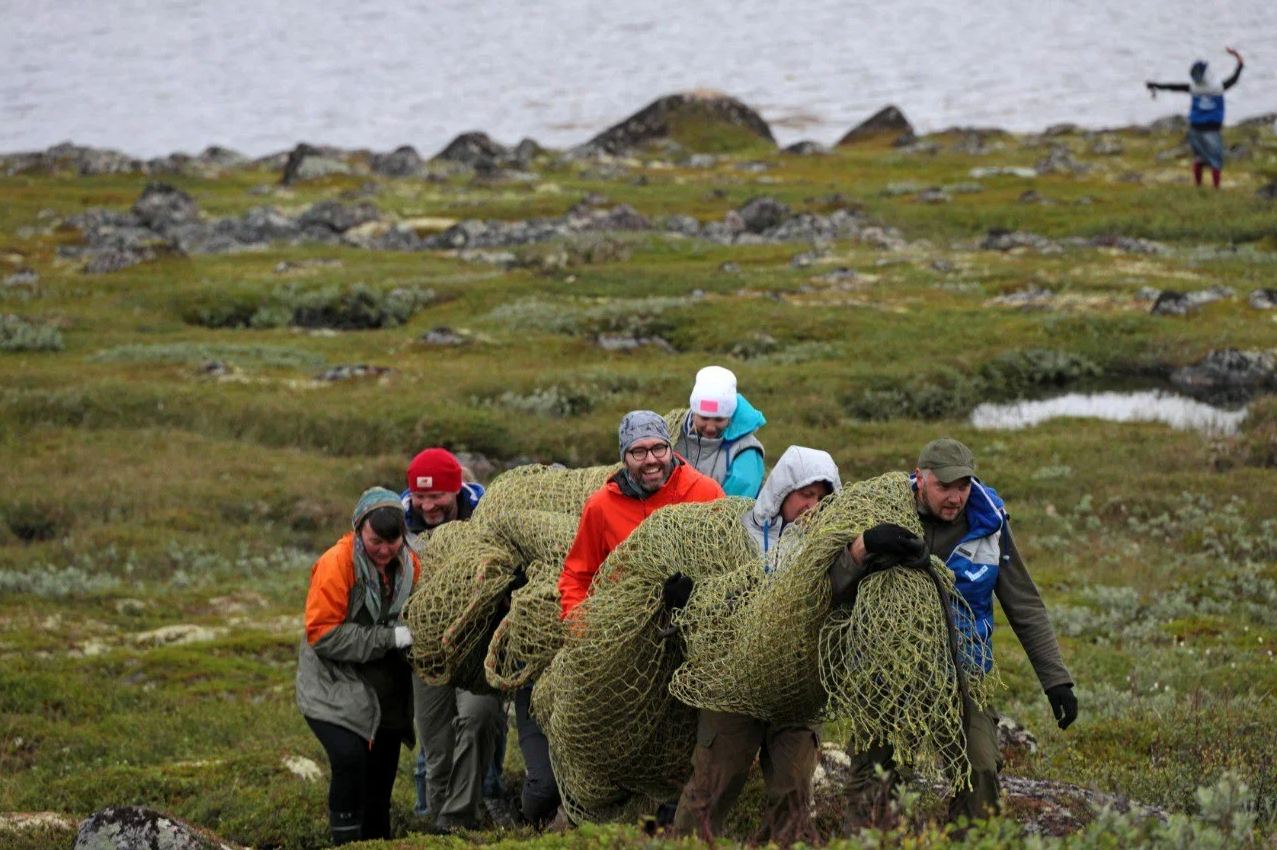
[(140, 494)]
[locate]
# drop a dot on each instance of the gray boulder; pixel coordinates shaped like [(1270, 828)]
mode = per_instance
[(1005, 240), (338, 217), (762, 214), (656, 122), (474, 149), (403, 161), (1264, 299), (621, 217), (888, 121), (135, 827), (1228, 375), (805, 148), (220, 157), (162, 207), (527, 150), (306, 162)]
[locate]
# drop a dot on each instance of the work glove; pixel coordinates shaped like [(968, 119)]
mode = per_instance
[(675, 592), (403, 637), (519, 580), (1063, 704), (888, 545)]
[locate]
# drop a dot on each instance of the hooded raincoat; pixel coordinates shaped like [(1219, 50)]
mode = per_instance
[(734, 460), (350, 624), (797, 468)]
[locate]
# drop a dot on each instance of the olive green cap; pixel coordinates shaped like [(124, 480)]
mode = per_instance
[(947, 459)]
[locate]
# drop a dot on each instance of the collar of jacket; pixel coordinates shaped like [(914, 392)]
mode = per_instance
[(985, 509)]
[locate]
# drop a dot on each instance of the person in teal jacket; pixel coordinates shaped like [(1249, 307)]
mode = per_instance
[(717, 437)]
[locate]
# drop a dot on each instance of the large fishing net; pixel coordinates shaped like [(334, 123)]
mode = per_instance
[(468, 630), (767, 644), (616, 734), (463, 634)]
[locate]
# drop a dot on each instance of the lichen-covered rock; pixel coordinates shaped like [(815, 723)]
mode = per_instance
[(888, 121), (762, 214), (680, 118), (1264, 299), (1228, 375), (474, 149), (403, 161), (161, 206), (135, 827), (338, 217)]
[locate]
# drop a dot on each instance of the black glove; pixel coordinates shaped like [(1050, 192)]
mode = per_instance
[(675, 592), (888, 545), (1063, 704), (519, 580)]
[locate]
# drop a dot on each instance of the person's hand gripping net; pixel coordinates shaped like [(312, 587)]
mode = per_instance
[(888, 545)]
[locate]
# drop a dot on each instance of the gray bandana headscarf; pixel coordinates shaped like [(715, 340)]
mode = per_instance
[(641, 425)]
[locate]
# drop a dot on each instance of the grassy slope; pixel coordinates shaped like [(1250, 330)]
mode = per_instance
[(158, 497)]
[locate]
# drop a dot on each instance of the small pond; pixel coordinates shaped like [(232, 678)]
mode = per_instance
[(1177, 411)]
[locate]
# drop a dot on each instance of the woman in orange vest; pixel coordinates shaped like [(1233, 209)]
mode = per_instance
[(354, 685)]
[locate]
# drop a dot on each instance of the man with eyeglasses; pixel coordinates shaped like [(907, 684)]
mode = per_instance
[(654, 476)]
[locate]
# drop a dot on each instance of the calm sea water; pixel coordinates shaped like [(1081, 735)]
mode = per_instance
[(155, 76)]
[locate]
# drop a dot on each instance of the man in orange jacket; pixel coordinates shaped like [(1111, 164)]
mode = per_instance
[(653, 477)]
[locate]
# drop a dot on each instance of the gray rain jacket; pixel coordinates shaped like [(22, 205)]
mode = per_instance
[(797, 468)]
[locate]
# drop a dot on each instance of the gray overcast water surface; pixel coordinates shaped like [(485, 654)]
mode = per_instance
[(155, 76)]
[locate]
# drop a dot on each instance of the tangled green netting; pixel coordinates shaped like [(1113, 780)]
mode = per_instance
[(616, 702), (462, 633), (615, 730), (768, 645)]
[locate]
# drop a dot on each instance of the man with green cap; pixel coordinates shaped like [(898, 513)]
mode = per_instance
[(966, 526)]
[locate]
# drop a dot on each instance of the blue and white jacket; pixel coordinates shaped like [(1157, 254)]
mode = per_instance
[(975, 562)]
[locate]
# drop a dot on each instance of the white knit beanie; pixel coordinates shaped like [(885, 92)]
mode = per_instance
[(714, 393)]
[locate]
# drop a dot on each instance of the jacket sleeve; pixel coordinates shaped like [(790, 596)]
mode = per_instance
[(746, 477), (1027, 615), (327, 631), (583, 560), (844, 578), (1184, 87), (1237, 73)]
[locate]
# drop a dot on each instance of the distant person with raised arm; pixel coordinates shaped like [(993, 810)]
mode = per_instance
[(1206, 115)]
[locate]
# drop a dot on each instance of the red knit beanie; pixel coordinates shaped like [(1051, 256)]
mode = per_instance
[(435, 469)]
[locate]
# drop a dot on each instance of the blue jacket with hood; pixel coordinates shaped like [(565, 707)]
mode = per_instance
[(734, 460)]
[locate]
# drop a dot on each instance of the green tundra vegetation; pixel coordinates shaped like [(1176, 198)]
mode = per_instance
[(173, 465)]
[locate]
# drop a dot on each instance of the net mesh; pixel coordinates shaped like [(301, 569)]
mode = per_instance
[(768, 645), (616, 733)]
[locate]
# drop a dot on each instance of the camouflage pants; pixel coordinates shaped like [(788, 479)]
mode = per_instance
[(726, 745)]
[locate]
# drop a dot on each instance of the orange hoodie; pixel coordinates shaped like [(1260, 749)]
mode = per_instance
[(610, 516)]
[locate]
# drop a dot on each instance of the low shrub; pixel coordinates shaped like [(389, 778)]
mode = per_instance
[(356, 307), (19, 334), (949, 393)]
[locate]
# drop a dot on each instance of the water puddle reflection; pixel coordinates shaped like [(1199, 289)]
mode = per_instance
[(1177, 411)]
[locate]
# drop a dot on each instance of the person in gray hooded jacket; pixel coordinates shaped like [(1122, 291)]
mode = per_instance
[(726, 744), (354, 685)]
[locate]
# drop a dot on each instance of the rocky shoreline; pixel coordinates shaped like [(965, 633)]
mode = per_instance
[(655, 127)]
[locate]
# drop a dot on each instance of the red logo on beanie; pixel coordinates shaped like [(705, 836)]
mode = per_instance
[(435, 470), (709, 406)]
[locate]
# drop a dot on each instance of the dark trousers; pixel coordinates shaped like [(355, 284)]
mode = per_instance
[(363, 776), (869, 795), (540, 798), (726, 745)]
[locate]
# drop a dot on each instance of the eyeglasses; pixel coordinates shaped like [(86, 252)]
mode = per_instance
[(640, 454)]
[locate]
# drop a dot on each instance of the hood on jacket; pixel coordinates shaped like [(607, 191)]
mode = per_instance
[(1202, 80), (745, 420), (797, 468)]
